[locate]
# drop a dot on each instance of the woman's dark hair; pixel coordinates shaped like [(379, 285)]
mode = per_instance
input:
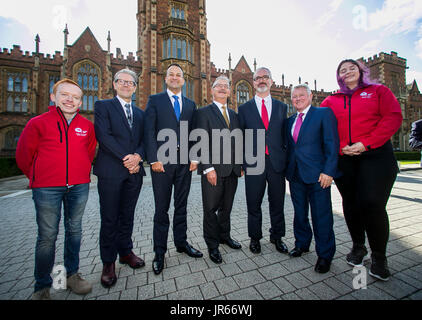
[(364, 78)]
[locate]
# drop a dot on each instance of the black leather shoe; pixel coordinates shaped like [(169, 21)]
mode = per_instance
[(215, 256), (158, 263), (297, 252), (280, 245), (190, 251), (232, 243), (255, 246), (322, 265)]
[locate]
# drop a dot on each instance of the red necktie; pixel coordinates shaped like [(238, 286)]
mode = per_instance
[(297, 127), (265, 120)]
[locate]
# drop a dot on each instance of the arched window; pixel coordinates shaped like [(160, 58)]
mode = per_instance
[(11, 138), (88, 79), (52, 81), (16, 95), (242, 93), (184, 49)]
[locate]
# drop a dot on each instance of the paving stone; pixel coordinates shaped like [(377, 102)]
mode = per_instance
[(298, 280), (273, 271), (294, 265), (213, 274), (230, 269), (306, 294), (371, 293), (226, 285), (245, 294), (249, 278), (338, 286), (396, 288), (268, 290), (146, 292), (176, 271), (193, 293), (284, 285), (111, 296), (209, 291), (246, 265), (290, 296), (136, 280), (190, 280), (323, 291), (164, 287)]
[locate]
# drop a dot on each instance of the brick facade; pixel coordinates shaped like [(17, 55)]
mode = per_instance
[(171, 31)]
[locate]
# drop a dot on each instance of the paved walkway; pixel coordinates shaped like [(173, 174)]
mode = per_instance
[(242, 275)]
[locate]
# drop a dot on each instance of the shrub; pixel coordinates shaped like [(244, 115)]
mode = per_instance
[(400, 156)]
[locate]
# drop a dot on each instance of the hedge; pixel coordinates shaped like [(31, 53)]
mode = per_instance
[(9, 168), (401, 156)]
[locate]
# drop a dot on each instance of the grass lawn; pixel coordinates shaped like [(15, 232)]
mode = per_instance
[(409, 162)]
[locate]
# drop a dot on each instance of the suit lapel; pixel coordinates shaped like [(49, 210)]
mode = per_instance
[(289, 127), (274, 110), (255, 114), (117, 105), (169, 105), (218, 114)]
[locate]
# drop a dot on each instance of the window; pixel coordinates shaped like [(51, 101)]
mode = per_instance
[(242, 93), (177, 48), (178, 11), (52, 81), (11, 138), (17, 92), (88, 80)]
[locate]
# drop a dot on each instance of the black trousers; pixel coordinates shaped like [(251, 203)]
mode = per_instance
[(365, 188), (118, 198), (255, 190), (179, 176), (217, 202)]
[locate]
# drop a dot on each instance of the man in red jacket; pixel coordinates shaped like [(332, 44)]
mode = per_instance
[(55, 151)]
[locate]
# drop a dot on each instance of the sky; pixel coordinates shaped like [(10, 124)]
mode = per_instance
[(304, 39)]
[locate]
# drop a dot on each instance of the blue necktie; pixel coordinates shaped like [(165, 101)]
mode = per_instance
[(177, 107)]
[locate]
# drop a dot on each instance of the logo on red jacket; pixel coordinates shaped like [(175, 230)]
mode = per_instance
[(366, 95), (80, 132)]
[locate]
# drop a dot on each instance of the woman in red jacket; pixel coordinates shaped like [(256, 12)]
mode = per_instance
[(368, 115)]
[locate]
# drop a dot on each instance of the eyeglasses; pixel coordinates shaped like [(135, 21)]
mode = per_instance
[(126, 83), (221, 86), (266, 77)]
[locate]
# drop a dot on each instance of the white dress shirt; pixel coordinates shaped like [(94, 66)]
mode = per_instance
[(171, 94), (268, 104), (124, 103), (220, 107), (303, 118)]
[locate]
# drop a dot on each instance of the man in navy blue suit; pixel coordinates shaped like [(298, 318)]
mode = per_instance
[(265, 113), (119, 127), (313, 147), (167, 110)]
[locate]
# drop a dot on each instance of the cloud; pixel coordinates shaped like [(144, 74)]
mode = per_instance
[(326, 17), (397, 16), (414, 75), (368, 49)]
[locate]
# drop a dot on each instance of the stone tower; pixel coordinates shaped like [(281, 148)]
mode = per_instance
[(173, 31), (390, 70)]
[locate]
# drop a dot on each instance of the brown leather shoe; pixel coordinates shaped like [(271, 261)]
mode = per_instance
[(108, 277), (132, 260)]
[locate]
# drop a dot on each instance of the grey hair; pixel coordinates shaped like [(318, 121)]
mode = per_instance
[(301, 86), (127, 71), (265, 69), (221, 78)]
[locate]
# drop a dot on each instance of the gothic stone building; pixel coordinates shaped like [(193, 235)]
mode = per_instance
[(169, 31)]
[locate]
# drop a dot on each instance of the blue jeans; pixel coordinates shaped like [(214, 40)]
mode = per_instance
[(48, 205)]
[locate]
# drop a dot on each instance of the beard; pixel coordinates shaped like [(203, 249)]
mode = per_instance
[(262, 89)]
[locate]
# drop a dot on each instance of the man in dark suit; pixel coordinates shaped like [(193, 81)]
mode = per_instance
[(119, 127), (265, 113), (167, 110), (415, 138), (219, 179), (313, 147)]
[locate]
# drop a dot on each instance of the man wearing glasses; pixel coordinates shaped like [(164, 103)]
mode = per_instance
[(265, 113), (119, 127)]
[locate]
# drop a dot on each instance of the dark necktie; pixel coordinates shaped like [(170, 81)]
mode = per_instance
[(129, 115), (176, 107), (265, 120), (297, 127)]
